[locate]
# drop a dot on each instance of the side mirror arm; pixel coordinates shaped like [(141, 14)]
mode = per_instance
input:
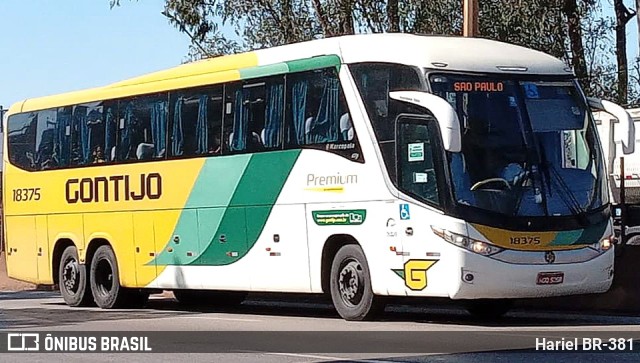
[(627, 127)]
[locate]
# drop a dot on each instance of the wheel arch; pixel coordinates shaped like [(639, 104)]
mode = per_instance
[(329, 250), (58, 249)]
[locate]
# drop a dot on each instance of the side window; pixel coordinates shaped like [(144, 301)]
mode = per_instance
[(62, 149), (196, 122), (317, 112), (416, 150), (142, 128), (46, 156), (254, 114), (374, 82), (91, 133), (22, 140)]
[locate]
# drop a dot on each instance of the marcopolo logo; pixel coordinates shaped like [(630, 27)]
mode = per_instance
[(23, 342), (339, 217)]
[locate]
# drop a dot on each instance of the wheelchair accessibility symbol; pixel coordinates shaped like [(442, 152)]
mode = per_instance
[(404, 212)]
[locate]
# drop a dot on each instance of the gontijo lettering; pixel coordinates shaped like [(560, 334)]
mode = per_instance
[(113, 188)]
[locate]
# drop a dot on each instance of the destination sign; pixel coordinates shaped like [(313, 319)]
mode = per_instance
[(485, 86)]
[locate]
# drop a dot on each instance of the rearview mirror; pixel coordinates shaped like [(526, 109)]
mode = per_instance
[(627, 128), (443, 112)]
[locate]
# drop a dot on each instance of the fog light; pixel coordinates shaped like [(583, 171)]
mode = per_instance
[(468, 277)]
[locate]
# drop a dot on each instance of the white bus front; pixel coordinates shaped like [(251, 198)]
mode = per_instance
[(503, 181)]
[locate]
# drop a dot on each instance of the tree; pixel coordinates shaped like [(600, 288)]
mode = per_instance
[(623, 16), (571, 30)]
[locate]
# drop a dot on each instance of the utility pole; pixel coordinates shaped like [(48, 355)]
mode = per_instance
[(470, 18)]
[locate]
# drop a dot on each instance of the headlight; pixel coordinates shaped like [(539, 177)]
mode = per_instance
[(479, 247), (604, 244)]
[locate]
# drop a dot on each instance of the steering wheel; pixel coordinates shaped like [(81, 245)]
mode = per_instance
[(482, 183)]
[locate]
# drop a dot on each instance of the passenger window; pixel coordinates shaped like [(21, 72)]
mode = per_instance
[(21, 138), (142, 128), (196, 122), (89, 130), (254, 113), (46, 157), (318, 113)]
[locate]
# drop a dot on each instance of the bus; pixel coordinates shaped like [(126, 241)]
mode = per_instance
[(611, 131), (361, 167)]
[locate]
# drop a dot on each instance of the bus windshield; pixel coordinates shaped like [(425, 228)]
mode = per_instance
[(529, 148)]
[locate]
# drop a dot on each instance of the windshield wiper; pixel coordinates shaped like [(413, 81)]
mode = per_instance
[(564, 192)]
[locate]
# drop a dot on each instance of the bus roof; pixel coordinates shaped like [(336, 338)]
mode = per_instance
[(445, 53)]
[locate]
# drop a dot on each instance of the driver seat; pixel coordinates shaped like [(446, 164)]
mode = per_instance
[(461, 180)]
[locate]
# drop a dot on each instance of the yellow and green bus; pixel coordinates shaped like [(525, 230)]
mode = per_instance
[(360, 167)]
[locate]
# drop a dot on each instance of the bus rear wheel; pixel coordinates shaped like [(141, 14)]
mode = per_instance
[(488, 309), (72, 279), (350, 285), (204, 298), (105, 281)]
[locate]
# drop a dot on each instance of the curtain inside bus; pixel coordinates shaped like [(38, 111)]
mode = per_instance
[(240, 120), (177, 136), (324, 127), (299, 104), (202, 139), (273, 115)]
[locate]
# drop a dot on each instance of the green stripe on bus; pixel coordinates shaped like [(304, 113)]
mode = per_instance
[(307, 64), (220, 234), (211, 194), (250, 207), (263, 71)]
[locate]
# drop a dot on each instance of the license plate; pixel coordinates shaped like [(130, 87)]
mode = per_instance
[(550, 278)]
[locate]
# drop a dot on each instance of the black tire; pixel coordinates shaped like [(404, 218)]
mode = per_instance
[(350, 285), (488, 309), (203, 298), (72, 279), (105, 280)]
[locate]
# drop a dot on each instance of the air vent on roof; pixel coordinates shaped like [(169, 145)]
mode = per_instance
[(439, 64)]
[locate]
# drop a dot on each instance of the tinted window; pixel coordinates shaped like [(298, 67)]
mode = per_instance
[(21, 137), (374, 82), (196, 122), (142, 128), (254, 113), (91, 132), (317, 111)]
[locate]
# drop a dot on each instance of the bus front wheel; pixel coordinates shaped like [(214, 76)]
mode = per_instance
[(105, 281), (72, 279), (350, 285)]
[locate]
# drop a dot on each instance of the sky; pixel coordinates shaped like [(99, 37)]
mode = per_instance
[(55, 46)]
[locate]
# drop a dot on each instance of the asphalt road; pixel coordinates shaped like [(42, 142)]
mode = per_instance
[(416, 333)]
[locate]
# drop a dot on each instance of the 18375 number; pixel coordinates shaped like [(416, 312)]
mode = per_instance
[(26, 194), (525, 240)]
